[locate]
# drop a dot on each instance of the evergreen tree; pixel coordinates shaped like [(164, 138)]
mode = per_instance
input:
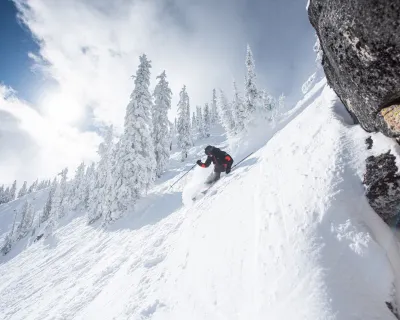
[(238, 110), (251, 92), (42, 185), (10, 237), (13, 191), (200, 123), (281, 101), (277, 106), (111, 207), (7, 244), (214, 110), (59, 203), (88, 186), (60, 199), (207, 121), (101, 179), (194, 127), (26, 222), (183, 125), (136, 166), (162, 99), (2, 199), (23, 191), (33, 186), (6, 195), (171, 134), (194, 122), (49, 202), (226, 114), (78, 194), (188, 121), (266, 105)]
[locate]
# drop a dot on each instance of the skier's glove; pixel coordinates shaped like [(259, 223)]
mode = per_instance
[(199, 162), (228, 170)]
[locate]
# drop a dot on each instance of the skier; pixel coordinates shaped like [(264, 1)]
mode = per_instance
[(221, 160)]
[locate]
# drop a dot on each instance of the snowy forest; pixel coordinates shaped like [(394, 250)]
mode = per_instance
[(130, 163)]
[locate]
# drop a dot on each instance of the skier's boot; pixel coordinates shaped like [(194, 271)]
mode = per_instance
[(215, 176)]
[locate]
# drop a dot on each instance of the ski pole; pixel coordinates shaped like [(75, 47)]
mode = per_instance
[(182, 176), (242, 160)]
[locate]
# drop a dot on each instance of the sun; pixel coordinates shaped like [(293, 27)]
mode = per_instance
[(62, 108)]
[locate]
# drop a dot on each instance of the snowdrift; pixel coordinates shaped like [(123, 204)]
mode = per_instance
[(287, 235)]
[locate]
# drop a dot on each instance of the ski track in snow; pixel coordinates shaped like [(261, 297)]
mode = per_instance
[(284, 236)]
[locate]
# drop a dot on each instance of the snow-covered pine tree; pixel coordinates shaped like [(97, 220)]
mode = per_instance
[(194, 127), (238, 110), (100, 179), (13, 191), (110, 206), (194, 123), (26, 222), (136, 167), (200, 122), (226, 115), (189, 122), (250, 87), (60, 199), (214, 109), (77, 192), (23, 191), (277, 106), (49, 202), (6, 197), (10, 237), (88, 186), (281, 101), (171, 134), (33, 186), (59, 204), (207, 120), (162, 103), (42, 185), (183, 125), (7, 244), (1, 194), (265, 105)]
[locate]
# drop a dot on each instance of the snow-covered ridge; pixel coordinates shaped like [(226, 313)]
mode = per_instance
[(285, 236)]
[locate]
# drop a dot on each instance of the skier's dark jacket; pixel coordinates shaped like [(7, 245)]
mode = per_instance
[(221, 160)]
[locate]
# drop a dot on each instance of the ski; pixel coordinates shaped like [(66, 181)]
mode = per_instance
[(201, 193)]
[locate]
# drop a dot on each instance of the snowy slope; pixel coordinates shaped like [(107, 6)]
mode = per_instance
[(7, 210), (287, 235)]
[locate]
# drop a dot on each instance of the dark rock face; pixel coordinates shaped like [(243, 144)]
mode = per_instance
[(369, 142), (360, 40), (383, 186)]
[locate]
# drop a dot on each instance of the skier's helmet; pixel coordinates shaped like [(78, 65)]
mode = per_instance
[(208, 150)]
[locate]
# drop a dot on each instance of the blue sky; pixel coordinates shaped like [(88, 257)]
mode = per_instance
[(89, 49), (15, 66)]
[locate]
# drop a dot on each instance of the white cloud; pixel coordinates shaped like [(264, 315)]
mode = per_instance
[(91, 48), (31, 146)]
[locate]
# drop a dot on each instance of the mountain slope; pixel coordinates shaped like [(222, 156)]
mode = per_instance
[(284, 236)]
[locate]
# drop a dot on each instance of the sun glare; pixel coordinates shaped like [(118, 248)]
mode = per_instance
[(61, 108)]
